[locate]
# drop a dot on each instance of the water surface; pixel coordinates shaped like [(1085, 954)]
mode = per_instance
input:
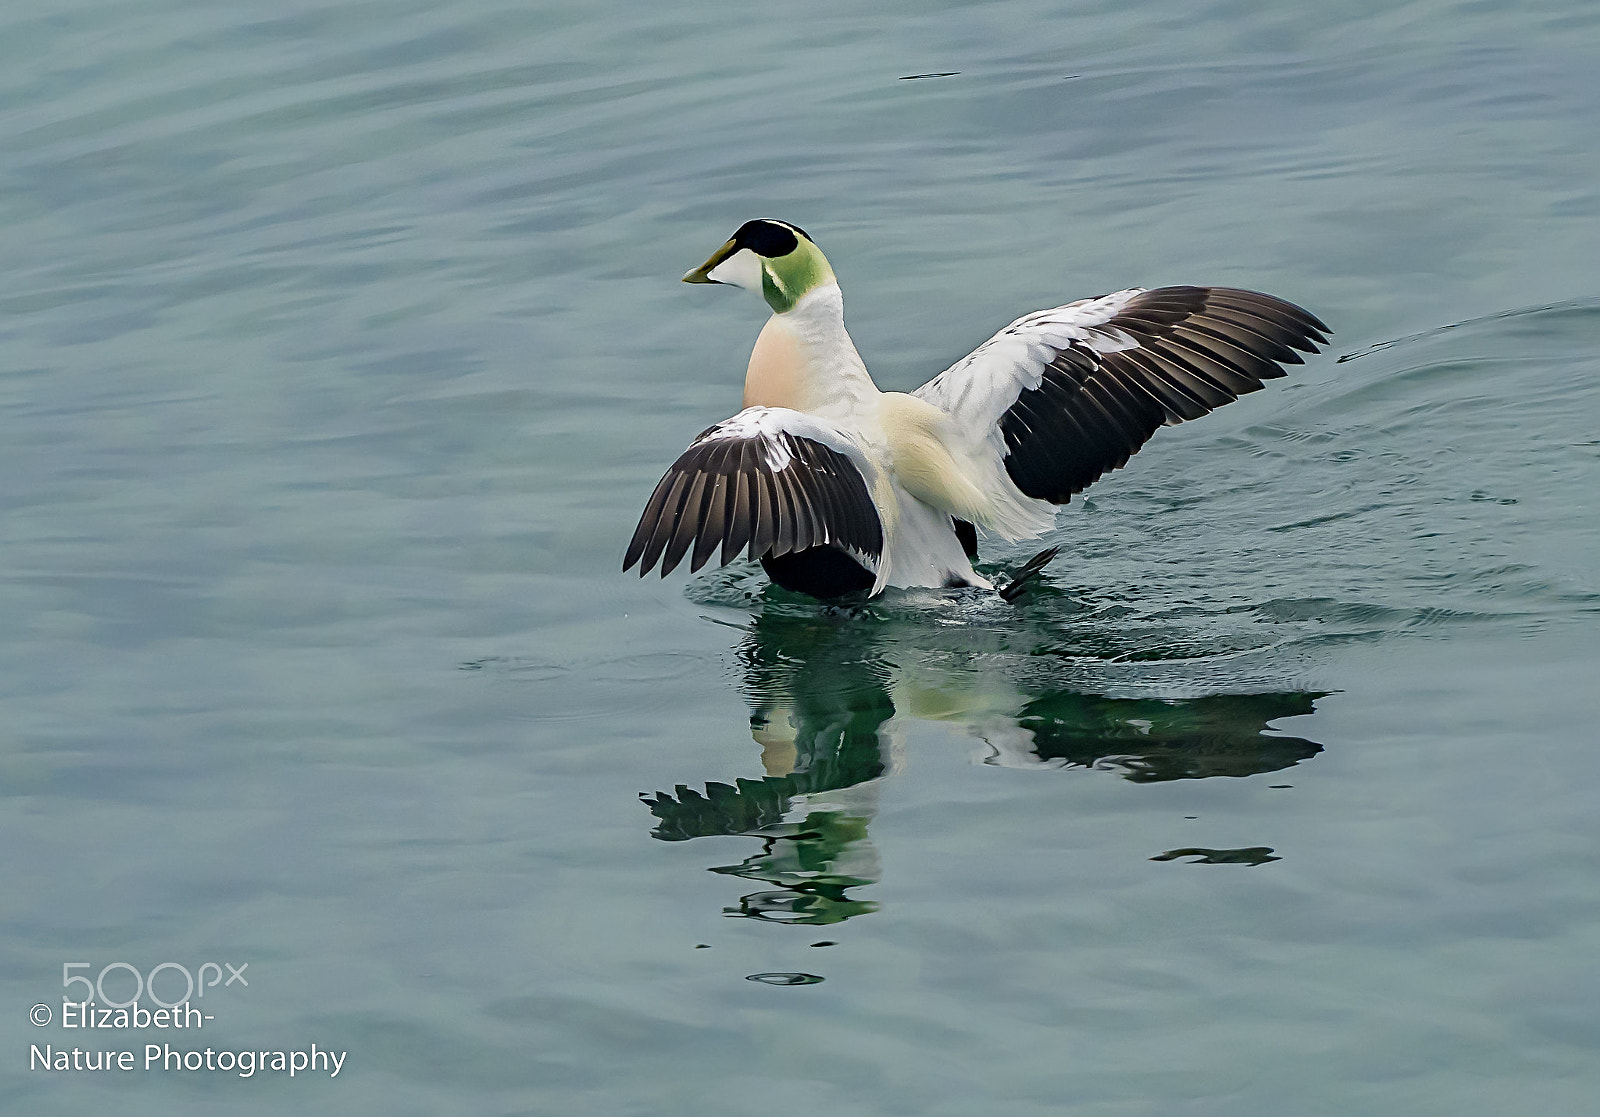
[(342, 345)]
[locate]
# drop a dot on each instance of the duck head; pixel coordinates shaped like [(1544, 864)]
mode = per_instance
[(773, 257)]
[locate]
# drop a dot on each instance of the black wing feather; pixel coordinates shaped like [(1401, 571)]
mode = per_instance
[(689, 513), (666, 519), (738, 528), (765, 530), (713, 529), (1198, 348), (783, 514), (724, 492)]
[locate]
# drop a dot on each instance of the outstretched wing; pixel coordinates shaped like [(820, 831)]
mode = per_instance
[(769, 479), (1065, 395)]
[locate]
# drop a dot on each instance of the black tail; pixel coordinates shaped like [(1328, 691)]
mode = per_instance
[(1029, 571)]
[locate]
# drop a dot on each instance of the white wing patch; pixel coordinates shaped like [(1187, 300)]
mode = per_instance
[(1015, 358)]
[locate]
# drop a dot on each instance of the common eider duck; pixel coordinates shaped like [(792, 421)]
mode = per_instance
[(838, 488)]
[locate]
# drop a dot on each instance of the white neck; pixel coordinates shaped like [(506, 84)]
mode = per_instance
[(805, 360)]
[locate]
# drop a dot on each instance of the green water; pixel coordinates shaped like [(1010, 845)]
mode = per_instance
[(341, 344)]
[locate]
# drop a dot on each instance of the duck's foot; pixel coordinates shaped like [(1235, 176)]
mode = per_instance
[(1028, 572)]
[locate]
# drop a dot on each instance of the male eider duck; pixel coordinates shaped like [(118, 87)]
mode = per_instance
[(839, 488)]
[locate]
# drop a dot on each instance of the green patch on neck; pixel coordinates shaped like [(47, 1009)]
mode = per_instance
[(785, 280)]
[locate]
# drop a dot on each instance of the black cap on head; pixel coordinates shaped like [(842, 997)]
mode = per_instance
[(768, 238)]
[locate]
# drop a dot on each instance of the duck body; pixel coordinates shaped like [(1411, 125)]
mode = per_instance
[(804, 361), (838, 488)]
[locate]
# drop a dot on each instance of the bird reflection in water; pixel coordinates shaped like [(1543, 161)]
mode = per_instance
[(831, 696)]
